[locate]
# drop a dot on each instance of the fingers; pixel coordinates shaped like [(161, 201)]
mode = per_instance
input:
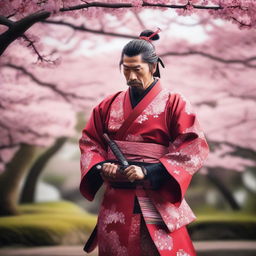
[(131, 176), (134, 172), (109, 170)]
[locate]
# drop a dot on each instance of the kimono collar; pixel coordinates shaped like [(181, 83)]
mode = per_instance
[(136, 97)]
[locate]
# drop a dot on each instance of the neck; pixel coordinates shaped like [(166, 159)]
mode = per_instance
[(149, 83)]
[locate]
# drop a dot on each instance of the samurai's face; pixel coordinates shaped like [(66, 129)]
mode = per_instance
[(138, 74)]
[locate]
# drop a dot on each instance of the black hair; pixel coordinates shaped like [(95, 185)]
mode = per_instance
[(145, 48)]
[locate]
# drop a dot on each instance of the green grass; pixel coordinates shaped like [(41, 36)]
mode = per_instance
[(63, 222), (49, 223), (223, 225)]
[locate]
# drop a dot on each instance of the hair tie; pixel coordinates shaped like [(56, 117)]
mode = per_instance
[(148, 38)]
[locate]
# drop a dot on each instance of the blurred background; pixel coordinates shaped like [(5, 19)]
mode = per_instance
[(52, 77)]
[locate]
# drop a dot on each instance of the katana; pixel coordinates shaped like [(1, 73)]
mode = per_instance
[(123, 163)]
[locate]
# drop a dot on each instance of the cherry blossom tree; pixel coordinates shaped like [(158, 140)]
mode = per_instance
[(225, 99), (29, 118), (18, 16), (34, 100)]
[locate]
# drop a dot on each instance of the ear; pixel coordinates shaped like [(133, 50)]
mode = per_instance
[(153, 68)]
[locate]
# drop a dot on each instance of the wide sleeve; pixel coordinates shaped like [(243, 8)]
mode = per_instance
[(156, 174), (188, 148), (93, 149)]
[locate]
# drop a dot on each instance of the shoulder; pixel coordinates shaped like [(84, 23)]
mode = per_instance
[(178, 102), (108, 100), (103, 107), (177, 97)]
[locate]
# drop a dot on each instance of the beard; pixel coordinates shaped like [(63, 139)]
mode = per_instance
[(134, 83), (136, 86)]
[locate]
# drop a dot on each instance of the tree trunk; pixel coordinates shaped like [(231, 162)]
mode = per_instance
[(29, 187), (223, 189), (11, 178)]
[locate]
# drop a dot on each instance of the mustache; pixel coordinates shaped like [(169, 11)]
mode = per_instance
[(134, 82)]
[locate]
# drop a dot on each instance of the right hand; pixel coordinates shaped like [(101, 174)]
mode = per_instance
[(134, 172), (109, 170)]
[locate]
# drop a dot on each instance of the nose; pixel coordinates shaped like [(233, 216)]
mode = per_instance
[(132, 76)]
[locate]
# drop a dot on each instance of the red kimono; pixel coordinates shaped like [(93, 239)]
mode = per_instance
[(161, 128)]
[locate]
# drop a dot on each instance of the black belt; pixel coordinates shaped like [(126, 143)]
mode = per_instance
[(130, 185)]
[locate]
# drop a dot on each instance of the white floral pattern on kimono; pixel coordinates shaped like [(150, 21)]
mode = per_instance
[(116, 113), (191, 157), (177, 217), (89, 152), (108, 216), (162, 240), (155, 108), (134, 229), (188, 107), (181, 252), (135, 138), (187, 158)]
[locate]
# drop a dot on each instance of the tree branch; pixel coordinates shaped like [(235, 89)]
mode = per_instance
[(32, 44), (85, 29), (245, 96), (65, 95), (6, 102), (6, 22), (11, 144), (248, 153), (146, 4), (138, 18), (227, 127), (129, 5), (241, 23), (21, 130), (245, 62), (210, 103), (18, 28)]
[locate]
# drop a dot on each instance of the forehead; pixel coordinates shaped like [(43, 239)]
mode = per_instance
[(133, 61)]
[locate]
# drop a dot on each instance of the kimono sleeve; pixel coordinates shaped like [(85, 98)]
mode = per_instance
[(188, 148), (93, 149)]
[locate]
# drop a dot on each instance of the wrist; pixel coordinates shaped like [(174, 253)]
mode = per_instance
[(144, 171)]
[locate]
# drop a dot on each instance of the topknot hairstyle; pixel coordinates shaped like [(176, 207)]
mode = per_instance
[(143, 46)]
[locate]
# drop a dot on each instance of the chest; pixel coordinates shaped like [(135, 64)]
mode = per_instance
[(150, 125)]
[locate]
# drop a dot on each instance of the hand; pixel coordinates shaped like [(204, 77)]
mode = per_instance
[(109, 170), (134, 172)]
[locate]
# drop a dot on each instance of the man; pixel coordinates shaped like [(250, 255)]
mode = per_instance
[(143, 210)]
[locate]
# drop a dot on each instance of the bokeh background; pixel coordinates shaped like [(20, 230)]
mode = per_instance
[(55, 71)]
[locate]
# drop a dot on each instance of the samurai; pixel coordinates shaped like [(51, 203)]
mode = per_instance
[(143, 210)]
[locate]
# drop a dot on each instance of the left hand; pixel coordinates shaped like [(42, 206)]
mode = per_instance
[(134, 172), (109, 170)]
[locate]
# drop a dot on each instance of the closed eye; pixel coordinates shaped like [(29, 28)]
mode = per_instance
[(137, 68)]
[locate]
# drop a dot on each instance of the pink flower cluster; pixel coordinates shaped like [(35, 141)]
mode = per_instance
[(241, 12)]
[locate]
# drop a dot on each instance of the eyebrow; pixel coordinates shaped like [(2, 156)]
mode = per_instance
[(138, 66)]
